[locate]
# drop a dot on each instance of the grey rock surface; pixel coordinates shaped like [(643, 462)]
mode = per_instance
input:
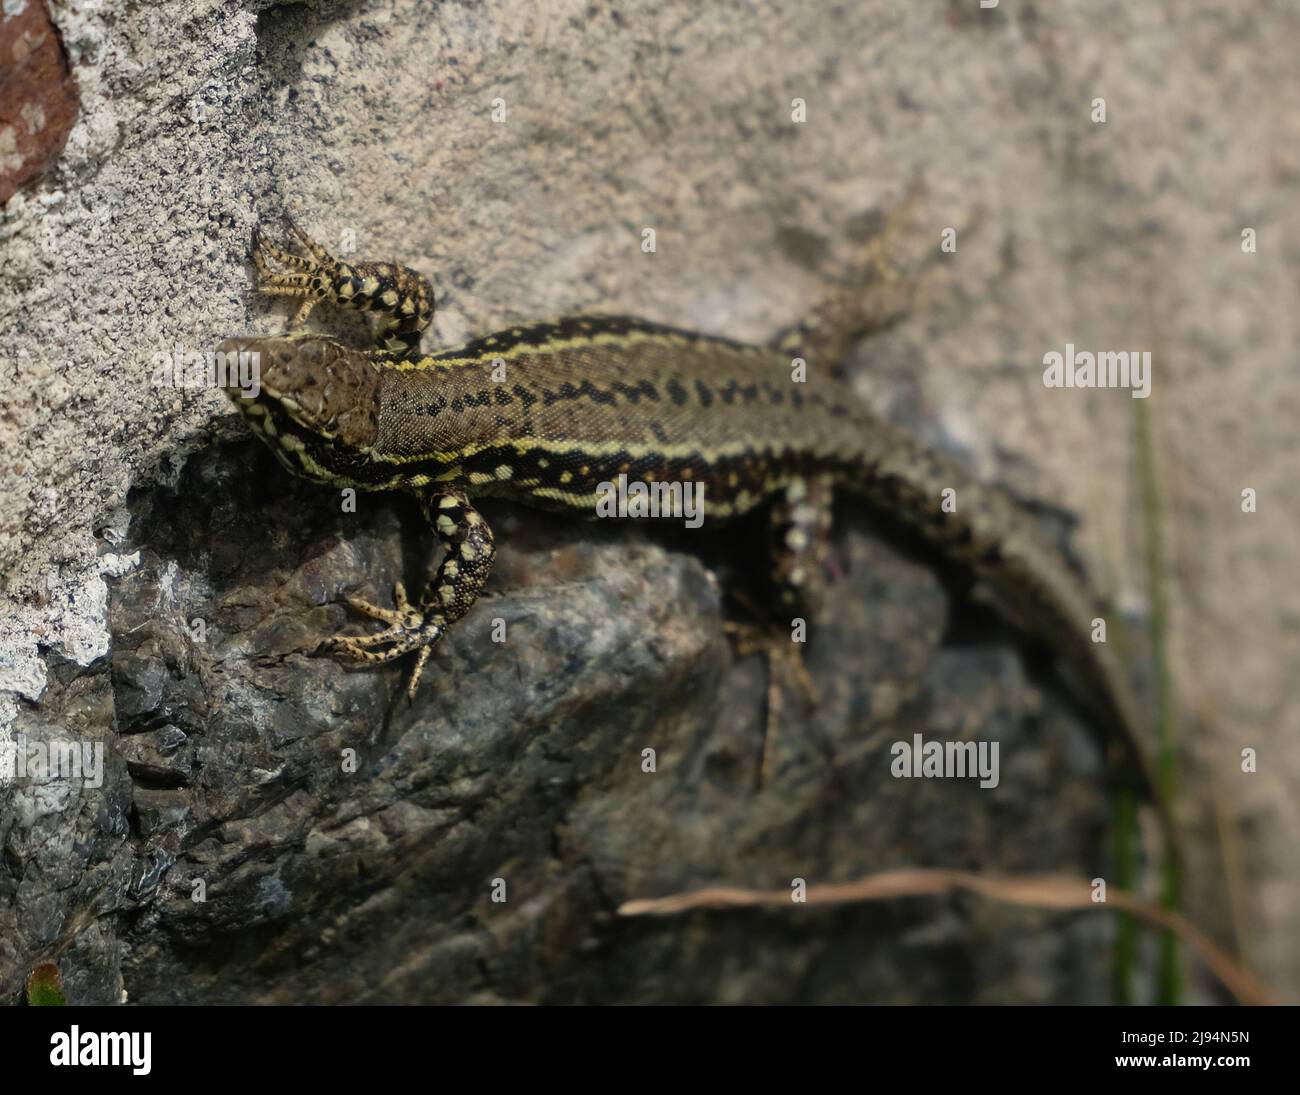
[(237, 853)]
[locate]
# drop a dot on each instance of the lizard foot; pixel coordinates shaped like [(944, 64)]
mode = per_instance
[(785, 666), (408, 630), (402, 297)]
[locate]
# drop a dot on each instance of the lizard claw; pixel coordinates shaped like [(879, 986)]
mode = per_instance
[(400, 297), (409, 629)]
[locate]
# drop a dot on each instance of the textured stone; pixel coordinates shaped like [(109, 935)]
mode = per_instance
[(326, 881), (38, 97)]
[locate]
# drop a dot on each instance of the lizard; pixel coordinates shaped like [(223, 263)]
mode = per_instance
[(545, 413)]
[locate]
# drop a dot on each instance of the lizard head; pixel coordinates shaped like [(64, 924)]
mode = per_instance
[(312, 399)]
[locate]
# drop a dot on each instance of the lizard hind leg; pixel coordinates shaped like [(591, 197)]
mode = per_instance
[(799, 524), (401, 297), (877, 294), (798, 530)]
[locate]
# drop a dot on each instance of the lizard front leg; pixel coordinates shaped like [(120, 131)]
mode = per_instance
[(402, 297), (447, 596)]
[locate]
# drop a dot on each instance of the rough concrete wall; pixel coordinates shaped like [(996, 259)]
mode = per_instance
[(374, 124)]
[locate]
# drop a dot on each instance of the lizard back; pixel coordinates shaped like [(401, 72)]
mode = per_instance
[(552, 410)]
